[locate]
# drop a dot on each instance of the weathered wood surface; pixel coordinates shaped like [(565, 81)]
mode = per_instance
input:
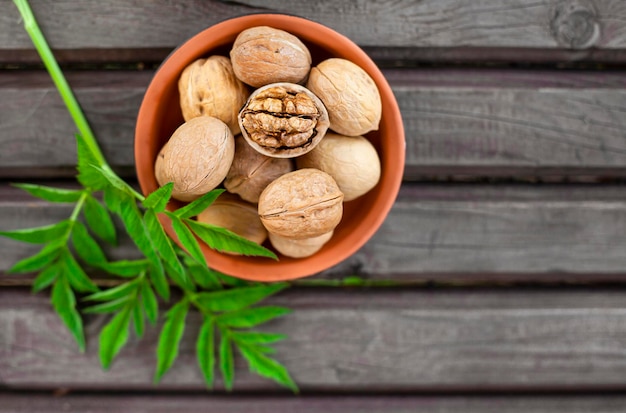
[(358, 340), (458, 122), (447, 232), (549, 24), (316, 404)]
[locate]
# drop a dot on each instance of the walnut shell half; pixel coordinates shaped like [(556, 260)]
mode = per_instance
[(301, 204), (283, 120)]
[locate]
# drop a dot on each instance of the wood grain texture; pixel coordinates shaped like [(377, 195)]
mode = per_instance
[(458, 122), (12, 403), (358, 340), (447, 232), (449, 23)]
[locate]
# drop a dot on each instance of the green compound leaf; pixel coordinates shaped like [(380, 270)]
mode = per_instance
[(40, 235), (87, 247), (44, 257), (88, 175), (205, 350), (224, 240), (114, 336), (51, 194), (157, 200), (227, 361), (64, 303), (99, 220), (46, 277), (75, 274), (186, 238), (169, 340), (236, 299), (256, 337), (267, 367), (149, 302), (252, 317), (194, 208)]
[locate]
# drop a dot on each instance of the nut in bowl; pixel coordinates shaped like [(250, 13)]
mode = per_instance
[(160, 116)]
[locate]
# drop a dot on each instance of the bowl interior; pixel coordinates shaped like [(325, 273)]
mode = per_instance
[(160, 115)]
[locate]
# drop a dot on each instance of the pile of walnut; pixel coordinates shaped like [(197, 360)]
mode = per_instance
[(288, 155)]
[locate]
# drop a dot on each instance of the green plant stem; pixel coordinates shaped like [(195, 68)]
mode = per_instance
[(38, 39)]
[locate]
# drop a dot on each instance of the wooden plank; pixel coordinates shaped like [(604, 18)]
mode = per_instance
[(550, 24), (469, 233), (358, 340), (458, 122), (36, 403)]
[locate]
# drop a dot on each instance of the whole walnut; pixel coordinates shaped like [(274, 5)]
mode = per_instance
[(196, 158), (351, 160), (230, 212), (209, 87), (252, 171), (283, 120), (262, 55), (299, 248), (304, 203), (349, 94)]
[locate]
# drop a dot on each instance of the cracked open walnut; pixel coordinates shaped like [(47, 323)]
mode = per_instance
[(283, 120)]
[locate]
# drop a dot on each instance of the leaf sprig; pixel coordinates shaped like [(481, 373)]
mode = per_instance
[(72, 248)]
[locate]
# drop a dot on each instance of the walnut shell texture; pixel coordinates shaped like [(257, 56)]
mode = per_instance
[(262, 55), (304, 203), (350, 95), (230, 212), (252, 171), (283, 120), (299, 248), (209, 87), (352, 161), (196, 158)]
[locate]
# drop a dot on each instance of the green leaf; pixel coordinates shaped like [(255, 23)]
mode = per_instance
[(108, 306), (39, 235), (227, 362), (267, 367), (149, 302), (113, 337), (236, 299), (205, 350), (161, 242), (186, 238), (251, 317), (159, 282), (113, 199), (99, 220), (75, 274), (181, 279), (169, 340), (256, 337), (44, 257), (125, 268), (46, 277), (87, 247), (123, 290), (204, 276), (138, 319), (194, 208), (64, 303), (88, 175), (234, 282), (157, 200), (113, 180), (51, 194), (224, 240)]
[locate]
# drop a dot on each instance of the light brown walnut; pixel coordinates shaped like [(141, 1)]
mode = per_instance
[(299, 248), (252, 171), (352, 161), (283, 120), (262, 55), (209, 87), (196, 158), (349, 94), (304, 203)]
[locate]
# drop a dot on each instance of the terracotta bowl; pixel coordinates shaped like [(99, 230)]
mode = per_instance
[(160, 115)]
